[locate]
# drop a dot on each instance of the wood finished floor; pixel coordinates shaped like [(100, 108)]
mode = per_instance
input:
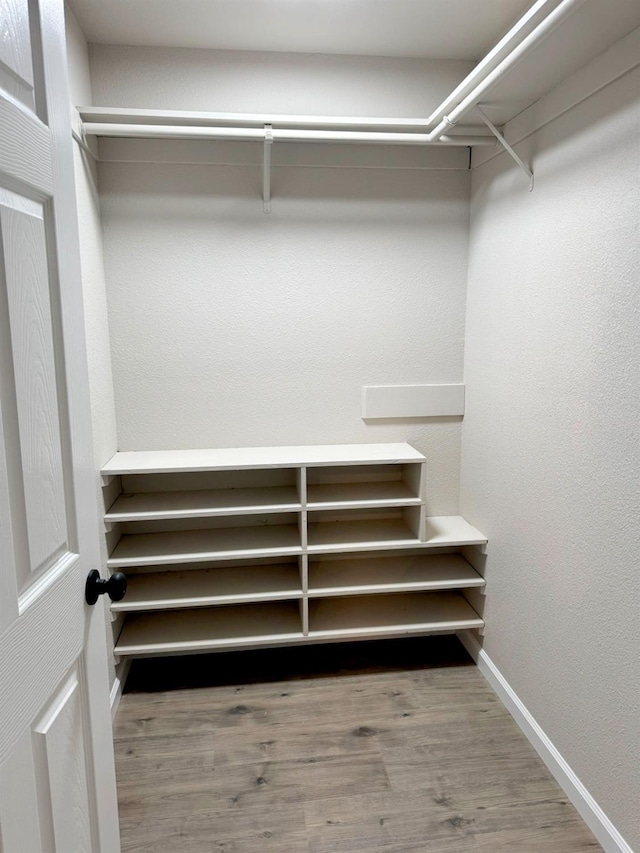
[(393, 747)]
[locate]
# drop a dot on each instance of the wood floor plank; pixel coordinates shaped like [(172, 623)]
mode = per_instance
[(284, 743), (198, 778), (397, 748), (410, 818), (277, 829), (378, 822), (185, 791), (542, 839), (195, 840), (344, 700), (417, 821), (459, 772), (130, 751)]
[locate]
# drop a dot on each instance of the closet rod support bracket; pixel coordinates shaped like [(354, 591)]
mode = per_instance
[(507, 147), (80, 137), (266, 168)]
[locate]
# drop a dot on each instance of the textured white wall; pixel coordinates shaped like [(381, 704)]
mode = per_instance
[(91, 256), (93, 285), (551, 437), (230, 327), (251, 81)]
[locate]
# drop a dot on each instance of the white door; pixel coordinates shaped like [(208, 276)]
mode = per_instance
[(57, 782)]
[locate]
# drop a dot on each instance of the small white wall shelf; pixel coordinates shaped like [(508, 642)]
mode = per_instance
[(412, 401), (246, 547)]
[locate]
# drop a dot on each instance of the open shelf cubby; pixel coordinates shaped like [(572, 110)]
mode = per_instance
[(201, 494), (402, 613), (345, 486), (267, 546), (377, 615), (363, 528), (174, 587), (209, 629), (404, 572), (235, 537)]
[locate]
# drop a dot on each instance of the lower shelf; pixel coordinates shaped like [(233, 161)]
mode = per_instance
[(231, 626), (386, 615), (402, 573), (349, 535), (193, 546), (348, 618), (235, 584)]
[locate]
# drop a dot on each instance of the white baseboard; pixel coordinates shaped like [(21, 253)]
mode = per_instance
[(118, 685), (597, 821)]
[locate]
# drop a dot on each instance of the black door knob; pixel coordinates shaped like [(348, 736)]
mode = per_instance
[(115, 587)]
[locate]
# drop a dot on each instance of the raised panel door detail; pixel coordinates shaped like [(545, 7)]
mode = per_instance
[(8, 589), (62, 772), (19, 812), (16, 64), (24, 275)]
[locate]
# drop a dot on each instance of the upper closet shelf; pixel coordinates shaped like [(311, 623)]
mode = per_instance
[(440, 128), (244, 127), (549, 43), (265, 130)]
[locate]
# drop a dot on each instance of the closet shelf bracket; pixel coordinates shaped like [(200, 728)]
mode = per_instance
[(81, 139), (266, 168), (507, 147)]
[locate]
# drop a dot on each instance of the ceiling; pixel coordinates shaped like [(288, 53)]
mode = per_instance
[(433, 29)]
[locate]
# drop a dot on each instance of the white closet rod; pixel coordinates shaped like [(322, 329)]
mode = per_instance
[(490, 76), (507, 44), (502, 49), (183, 118), (256, 134)]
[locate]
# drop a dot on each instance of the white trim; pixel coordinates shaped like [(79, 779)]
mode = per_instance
[(117, 687), (595, 818)]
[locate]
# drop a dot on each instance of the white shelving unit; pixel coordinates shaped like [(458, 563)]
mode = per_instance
[(245, 547)]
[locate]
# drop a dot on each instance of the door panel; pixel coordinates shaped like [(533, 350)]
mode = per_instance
[(27, 163), (62, 772), (31, 673), (24, 274), (19, 821), (57, 779), (13, 528), (46, 779), (16, 65)]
